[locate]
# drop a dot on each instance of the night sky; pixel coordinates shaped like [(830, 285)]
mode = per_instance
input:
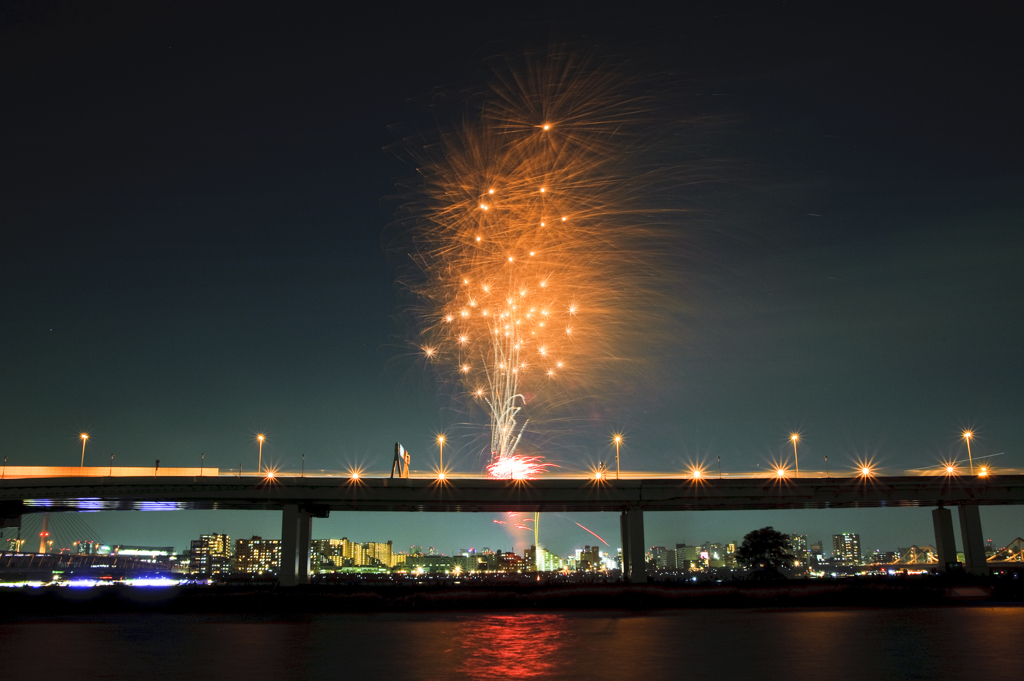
[(193, 202)]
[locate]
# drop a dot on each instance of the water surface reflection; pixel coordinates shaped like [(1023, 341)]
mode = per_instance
[(516, 645), (970, 642)]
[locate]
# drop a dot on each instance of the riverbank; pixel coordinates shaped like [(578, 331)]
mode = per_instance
[(29, 603)]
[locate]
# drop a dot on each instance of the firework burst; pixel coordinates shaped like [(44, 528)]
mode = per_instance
[(533, 266)]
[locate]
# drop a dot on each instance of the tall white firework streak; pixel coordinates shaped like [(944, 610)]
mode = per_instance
[(506, 400)]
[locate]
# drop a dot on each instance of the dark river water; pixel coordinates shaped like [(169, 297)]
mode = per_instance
[(947, 643)]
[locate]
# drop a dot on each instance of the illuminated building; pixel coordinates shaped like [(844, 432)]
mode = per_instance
[(589, 558), (210, 555), (716, 556), (354, 553), (541, 560), (659, 554), (691, 558), (547, 561), (160, 555), (435, 563), (510, 562), (258, 556), (817, 552), (378, 553), (327, 553), (846, 548), (798, 547), (336, 553), (87, 548), (678, 558)]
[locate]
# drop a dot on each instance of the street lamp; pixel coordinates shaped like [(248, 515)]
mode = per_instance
[(967, 436), (795, 437), (618, 441), (440, 443), (84, 436), (261, 438)]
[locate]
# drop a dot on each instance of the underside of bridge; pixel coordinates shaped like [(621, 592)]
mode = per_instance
[(300, 499)]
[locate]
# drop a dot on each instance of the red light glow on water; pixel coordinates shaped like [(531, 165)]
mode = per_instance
[(514, 646)]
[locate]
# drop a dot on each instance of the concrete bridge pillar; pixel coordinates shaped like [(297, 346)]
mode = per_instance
[(296, 531), (305, 544), (634, 564), (945, 541), (624, 534), (973, 540)]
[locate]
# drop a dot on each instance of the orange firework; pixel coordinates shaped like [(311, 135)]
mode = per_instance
[(534, 262)]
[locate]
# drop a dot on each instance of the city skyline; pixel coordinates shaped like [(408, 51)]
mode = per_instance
[(216, 553), (565, 542), (198, 255)]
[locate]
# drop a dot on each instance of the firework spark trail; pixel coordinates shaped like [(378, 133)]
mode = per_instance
[(517, 467), (596, 535), (533, 267)]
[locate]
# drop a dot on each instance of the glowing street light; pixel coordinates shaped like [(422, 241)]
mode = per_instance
[(617, 439), (261, 438), (967, 436), (795, 437), (440, 443), (84, 436)]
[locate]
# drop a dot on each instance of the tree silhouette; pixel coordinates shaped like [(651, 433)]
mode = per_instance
[(765, 548)]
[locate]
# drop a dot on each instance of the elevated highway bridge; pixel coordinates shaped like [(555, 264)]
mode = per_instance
[(303, 497)]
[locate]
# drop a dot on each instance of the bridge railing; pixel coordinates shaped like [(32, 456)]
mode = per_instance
[(22, 472), (17, 472)]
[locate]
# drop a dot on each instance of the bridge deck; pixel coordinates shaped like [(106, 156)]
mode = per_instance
[(325, 494)]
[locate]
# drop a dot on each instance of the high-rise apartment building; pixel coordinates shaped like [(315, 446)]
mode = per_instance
[(798, 547), (659, 554), (716, 555), (378, 553), (210, 555), (258, 556), (589, 558), (543, 560), (846, 548), (353, 552), (327, 553), (331, 553)]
